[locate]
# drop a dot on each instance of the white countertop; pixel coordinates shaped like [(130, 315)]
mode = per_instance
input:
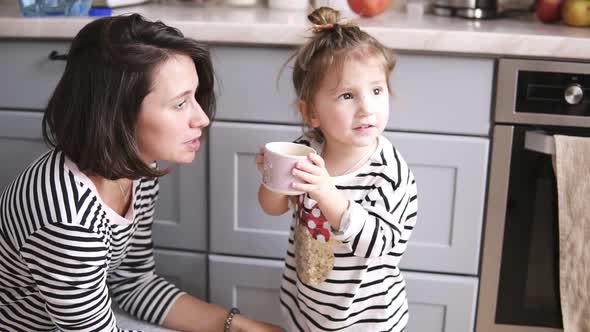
[(516, 37)]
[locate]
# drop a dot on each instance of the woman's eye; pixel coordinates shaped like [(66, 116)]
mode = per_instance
[(377, 91), (346, 96), (180, 105)]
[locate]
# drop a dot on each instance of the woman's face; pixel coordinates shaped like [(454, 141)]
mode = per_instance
[(170, 121)]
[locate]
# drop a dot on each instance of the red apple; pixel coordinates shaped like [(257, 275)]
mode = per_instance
[(548, 11), (369, 8), (576, 12)]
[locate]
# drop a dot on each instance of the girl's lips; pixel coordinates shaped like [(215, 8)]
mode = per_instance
[(363, 129), (194, 144)]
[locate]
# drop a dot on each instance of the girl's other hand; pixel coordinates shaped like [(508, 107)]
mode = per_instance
[(260, 161)]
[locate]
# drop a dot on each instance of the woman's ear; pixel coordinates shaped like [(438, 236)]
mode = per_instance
[(307, 114)]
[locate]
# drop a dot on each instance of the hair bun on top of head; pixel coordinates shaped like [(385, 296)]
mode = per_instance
[(325, 18)]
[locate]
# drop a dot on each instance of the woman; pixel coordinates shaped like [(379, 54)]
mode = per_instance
[(75, 226)]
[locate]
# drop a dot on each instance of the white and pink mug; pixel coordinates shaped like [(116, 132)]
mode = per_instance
[(279, 160)]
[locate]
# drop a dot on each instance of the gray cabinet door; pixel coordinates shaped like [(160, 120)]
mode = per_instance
[(181, 209), (451, 176), (238, 224), (28, 75), (429, 92), (247, 283), (437, 303), (20, 143), (186, 270), (440, 303)]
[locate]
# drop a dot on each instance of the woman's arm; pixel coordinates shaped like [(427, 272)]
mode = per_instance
[(193, 315)]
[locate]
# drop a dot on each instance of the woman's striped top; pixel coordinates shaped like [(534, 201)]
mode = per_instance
[(365, 290), (64, 254)]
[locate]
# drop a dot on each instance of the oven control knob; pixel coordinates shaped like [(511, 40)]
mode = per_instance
[(573, 94)]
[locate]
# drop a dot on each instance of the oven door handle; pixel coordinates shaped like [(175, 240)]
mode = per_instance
[(539, 141)]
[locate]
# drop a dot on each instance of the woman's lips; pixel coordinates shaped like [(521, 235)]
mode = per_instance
[(194, 144)]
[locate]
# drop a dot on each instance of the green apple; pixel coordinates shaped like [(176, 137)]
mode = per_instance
[(576, 12)]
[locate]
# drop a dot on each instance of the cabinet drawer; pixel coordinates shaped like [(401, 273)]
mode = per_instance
[(249, 284), (451, 175), (186, 270), (450, 171), (181, 209), (437, 303), (250, 87), (28, 75), (441, 303), (425, 98), (20, 143)]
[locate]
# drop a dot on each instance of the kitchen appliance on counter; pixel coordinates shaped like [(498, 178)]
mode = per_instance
[(475, 9), (519, 289), (117, 3)]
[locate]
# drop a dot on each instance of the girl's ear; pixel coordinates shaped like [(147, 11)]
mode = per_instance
[(307, 114)]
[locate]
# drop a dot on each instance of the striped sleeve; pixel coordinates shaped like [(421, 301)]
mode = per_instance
[(68, 263), (381, 224), (135, 285)]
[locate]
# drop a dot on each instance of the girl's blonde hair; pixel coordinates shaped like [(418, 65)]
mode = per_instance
[(332, 44)]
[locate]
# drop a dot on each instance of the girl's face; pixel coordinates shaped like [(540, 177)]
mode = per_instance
[(170, 120), (352, 108)]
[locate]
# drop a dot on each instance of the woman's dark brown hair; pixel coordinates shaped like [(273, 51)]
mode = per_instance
[(93, 111), (333, 43)]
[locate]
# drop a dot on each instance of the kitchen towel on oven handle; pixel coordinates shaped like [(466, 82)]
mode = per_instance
[(572, 170)]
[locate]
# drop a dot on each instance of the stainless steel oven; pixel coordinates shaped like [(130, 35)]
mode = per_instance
[(519, 289)]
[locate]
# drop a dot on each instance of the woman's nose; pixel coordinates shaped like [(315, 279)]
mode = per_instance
[(199, 118)]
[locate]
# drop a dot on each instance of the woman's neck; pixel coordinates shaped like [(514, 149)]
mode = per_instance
[(341, 160), (114, 193)]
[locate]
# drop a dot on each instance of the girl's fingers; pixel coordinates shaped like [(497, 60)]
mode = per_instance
[(307, 187), (305, 176), (309, 168), (316, 159)]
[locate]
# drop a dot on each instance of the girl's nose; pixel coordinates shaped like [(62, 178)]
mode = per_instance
[(365, 107)]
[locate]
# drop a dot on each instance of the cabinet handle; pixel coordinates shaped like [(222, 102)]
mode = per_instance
[(55, 56)]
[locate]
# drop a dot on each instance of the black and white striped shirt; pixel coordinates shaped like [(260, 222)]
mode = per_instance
[(365, 290), (64, 254)]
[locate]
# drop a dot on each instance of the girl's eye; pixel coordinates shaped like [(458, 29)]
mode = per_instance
[(346, 96), (180, 105), (377, 91)]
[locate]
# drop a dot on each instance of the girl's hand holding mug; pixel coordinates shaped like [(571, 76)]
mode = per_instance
[(316, 179)]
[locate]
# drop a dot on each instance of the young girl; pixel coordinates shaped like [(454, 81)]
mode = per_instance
[(352, 225)]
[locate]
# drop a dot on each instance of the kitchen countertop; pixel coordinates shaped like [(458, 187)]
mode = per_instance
[(513, 37)]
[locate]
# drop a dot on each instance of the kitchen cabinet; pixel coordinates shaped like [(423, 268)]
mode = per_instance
[(20, 143), (440, 125), (187, 270), (430, 93), (450, 172), (28, 77), (436, 302), (181, 209)]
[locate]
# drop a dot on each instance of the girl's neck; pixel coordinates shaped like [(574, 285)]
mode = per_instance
[(341, 160)]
